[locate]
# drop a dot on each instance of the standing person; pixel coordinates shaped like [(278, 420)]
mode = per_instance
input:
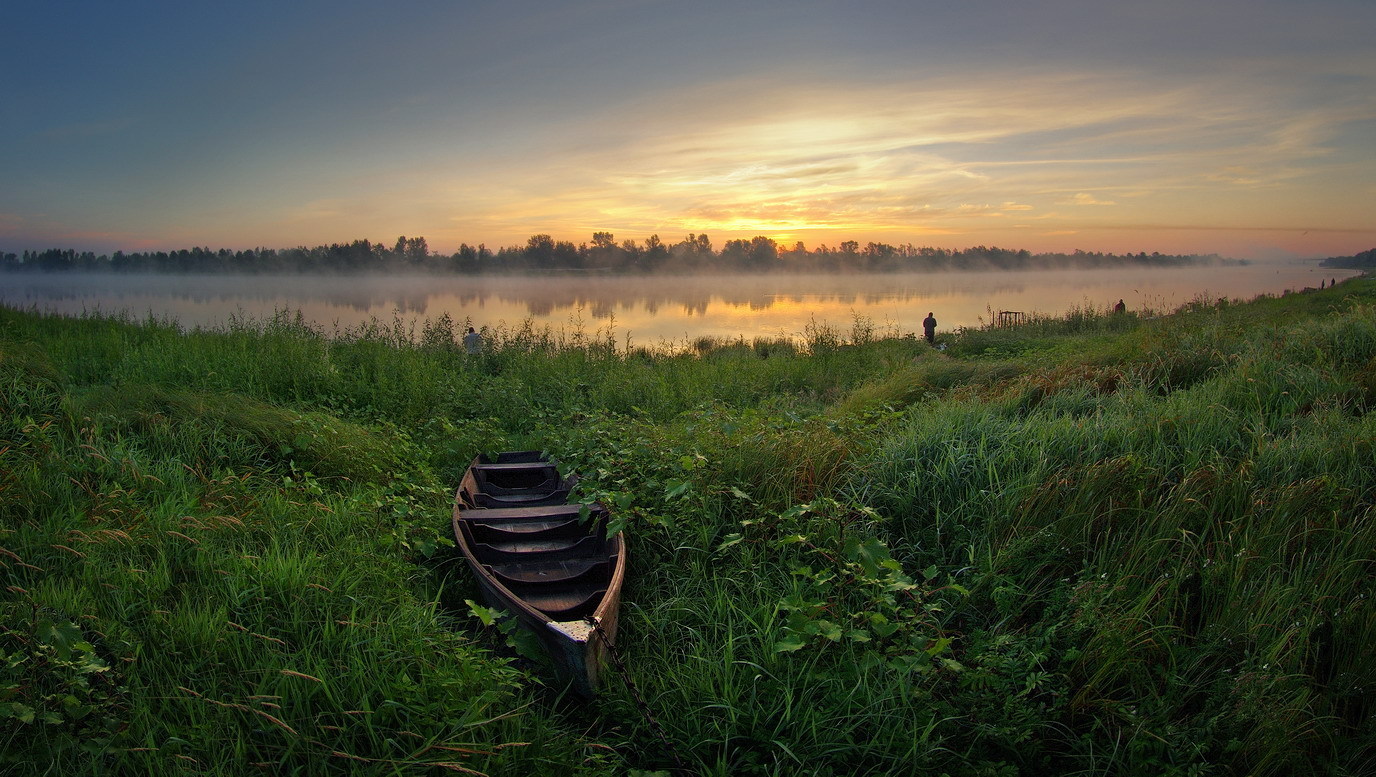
[(473, 341), (1120, 307), (929, 328)]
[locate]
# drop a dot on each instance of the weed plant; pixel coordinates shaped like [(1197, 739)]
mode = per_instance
[(1089, 544)]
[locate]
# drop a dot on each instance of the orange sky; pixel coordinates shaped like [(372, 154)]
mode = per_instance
[(1242, 127)]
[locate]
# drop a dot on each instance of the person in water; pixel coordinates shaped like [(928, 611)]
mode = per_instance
[(929, 328)]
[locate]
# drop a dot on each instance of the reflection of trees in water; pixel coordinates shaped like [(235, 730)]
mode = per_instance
[(693, 296), (541, 297), (360, 293), (548, 297)]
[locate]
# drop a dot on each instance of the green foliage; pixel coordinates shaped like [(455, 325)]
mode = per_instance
[(1092, 544), (846, 585), (54, 688)]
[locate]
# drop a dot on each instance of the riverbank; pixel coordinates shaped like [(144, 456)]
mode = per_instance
[(1093, 544)]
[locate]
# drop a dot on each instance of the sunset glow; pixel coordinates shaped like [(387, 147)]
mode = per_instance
[(1173, 128)]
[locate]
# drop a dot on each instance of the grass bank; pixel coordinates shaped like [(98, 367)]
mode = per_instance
[(1092, 544)]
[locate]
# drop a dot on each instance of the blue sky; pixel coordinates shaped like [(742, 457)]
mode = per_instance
[(1245, 128)]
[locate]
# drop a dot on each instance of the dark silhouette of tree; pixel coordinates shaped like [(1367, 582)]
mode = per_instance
[(540, 250), (543, 253)]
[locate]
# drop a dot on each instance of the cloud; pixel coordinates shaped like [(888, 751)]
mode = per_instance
[(901, 156), (1083, 198)]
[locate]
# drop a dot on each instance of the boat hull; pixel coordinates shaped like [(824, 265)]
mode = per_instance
[(553, 568)]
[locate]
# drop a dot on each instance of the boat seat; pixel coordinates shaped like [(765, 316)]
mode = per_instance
[(479, 499), (497, 532), (534, 513), (514, 466), (507, 478), (566, 572), (566, 604), (536, 550)]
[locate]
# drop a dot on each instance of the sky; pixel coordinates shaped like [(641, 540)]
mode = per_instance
[(1240, 127)]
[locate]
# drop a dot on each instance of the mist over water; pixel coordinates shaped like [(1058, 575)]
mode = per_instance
[(651, 310)]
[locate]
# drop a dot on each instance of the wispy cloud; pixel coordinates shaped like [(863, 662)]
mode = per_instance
[(732, 118), (773, 156), (1085, 198)]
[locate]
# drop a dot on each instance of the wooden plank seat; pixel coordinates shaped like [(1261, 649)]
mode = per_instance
[(521, 499), (536, 551), (565, 604), (566, 571), (533, 513), (499, 532), (509, 478)]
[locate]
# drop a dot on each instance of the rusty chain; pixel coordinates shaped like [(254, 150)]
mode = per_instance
[(640, 702)]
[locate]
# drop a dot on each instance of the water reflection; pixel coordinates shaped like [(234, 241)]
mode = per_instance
[(649, 309)]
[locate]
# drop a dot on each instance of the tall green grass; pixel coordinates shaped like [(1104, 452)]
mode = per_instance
[(1094, 544)]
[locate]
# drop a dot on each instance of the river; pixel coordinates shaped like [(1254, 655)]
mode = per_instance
[(653, 310)]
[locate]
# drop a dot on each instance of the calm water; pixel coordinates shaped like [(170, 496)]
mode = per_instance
[(656, 310)]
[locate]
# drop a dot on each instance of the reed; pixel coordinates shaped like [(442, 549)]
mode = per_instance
[(1093, 544)]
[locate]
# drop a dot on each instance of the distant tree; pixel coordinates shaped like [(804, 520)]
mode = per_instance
[(878, 255), (754, 254), (604, 252), (692, 252), (413, 251), (540, 251), (566, 254), (735, 253), (655, 251), (797, 254), (764, 252), (1365, 260), (465, 259), (631, 255)]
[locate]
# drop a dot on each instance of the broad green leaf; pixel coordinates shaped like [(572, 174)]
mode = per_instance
[(788, 644), (24, 713), (938, 646), (485, 614), (953, 665), (64, 636), (884, 630), (869, 553)]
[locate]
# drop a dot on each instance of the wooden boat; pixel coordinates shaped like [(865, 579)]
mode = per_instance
[(553, 567), (515, 479)]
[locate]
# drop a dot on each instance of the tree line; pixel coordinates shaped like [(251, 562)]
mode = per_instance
[(603, 254), (1366, 260)]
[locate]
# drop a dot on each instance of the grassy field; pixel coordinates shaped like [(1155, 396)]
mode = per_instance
[(1093, 544)]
